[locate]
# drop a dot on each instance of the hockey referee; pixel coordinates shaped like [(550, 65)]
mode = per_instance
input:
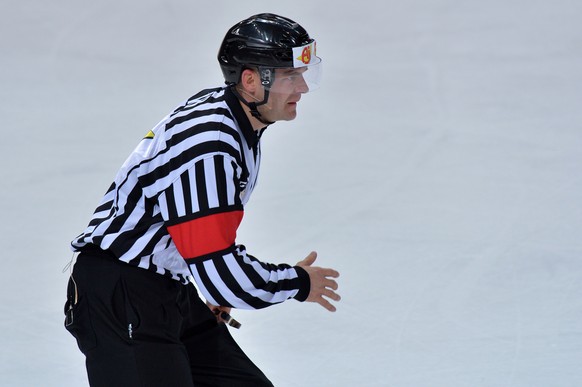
[(171, 216)]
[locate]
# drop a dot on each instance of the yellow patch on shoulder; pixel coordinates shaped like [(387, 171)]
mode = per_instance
[(149, 135)]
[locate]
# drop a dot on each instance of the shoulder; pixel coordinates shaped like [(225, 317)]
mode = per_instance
[(201, 127), (205, 111)]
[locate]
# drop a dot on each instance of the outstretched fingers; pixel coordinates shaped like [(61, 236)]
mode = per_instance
[(323, 287)]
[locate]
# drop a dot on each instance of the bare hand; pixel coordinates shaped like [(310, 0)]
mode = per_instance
[(322, 284)]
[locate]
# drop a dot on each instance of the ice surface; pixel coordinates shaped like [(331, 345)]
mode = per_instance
[(438, 168)]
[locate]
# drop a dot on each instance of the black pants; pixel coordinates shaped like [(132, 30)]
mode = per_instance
[(138, 328)]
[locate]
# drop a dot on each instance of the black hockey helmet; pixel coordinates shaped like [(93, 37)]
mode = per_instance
[(267, 41)]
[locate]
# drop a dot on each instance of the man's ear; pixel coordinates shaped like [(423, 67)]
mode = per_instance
[(249, 80)]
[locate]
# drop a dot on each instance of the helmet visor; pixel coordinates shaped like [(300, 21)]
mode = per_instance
[(305, 57), (313, 75), (294, 80)]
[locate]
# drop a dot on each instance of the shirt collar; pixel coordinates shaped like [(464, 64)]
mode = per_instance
[(241, 118)]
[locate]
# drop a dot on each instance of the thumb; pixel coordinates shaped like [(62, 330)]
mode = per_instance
[(308, 261)]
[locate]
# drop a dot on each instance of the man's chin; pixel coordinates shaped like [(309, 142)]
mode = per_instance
[(291, 114), (288, 116)]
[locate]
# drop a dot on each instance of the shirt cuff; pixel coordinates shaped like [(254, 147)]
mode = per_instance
[(304, 284)]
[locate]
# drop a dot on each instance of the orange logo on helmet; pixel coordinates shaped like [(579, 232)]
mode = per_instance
[(305, 55)]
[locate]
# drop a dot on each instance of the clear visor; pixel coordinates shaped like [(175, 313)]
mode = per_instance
[(305, 58), (313, 74), (299, 80)]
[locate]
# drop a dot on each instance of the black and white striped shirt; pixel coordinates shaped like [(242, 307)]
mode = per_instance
[(177, 201)]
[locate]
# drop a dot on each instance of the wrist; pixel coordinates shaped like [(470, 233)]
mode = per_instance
[(304, 284)]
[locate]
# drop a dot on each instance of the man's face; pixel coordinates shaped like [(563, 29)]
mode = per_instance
[(284, 95)]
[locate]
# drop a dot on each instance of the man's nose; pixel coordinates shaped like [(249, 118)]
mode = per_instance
[(301, 85)]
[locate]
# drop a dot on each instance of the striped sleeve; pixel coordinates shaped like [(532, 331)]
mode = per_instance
[(239, 280), (202, 211)]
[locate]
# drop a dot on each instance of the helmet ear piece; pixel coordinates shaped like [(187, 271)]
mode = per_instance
[(267, 77)]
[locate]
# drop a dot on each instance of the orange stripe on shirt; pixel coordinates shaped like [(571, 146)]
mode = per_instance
[(206, 235)]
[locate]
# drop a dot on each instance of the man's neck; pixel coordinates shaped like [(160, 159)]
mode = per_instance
[(255, 123)]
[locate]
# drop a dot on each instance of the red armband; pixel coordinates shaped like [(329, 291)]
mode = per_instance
[(207, 234)]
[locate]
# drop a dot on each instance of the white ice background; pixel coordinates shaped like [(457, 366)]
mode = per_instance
[(438, 169)]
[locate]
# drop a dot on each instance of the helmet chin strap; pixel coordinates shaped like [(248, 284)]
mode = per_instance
[(253, 106)]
